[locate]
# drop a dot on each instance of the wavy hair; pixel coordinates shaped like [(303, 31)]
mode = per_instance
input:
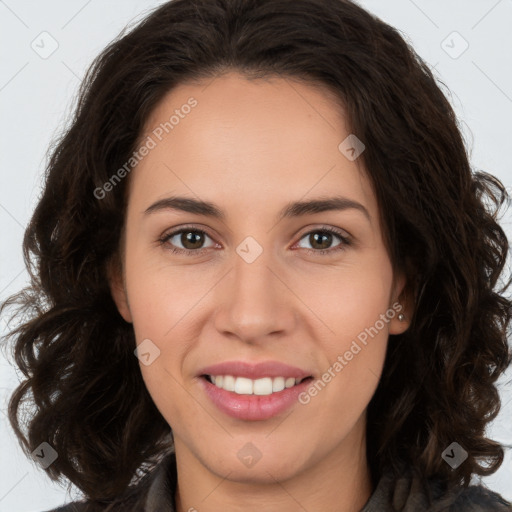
[(82, 390)]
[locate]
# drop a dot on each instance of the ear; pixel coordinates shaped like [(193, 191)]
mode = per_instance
[(402, 305), (118, 289)]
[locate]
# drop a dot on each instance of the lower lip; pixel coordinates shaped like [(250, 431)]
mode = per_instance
[(254, 407)]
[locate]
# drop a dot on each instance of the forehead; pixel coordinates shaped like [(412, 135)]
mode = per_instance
[(244, 140)]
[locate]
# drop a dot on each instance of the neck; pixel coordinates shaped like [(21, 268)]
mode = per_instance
[(337, 482)]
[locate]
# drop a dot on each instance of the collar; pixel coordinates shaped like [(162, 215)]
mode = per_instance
[(160, 495)]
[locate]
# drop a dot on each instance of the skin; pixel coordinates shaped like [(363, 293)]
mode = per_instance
[(250, 147)]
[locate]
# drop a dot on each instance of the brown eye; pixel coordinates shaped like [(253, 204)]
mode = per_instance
[(187, 241), (191, 239), (321, 240)]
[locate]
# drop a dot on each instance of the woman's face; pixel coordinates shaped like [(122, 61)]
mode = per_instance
[(250, 283)]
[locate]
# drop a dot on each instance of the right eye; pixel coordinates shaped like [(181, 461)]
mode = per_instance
[(190, 238)]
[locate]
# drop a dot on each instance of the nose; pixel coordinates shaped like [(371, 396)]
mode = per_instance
[(254, 301)]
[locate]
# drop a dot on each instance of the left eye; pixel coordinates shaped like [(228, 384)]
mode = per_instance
[(319, 238), (192, 241)]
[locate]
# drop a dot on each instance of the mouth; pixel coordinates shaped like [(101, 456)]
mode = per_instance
[(253, 399), (262, 387), (253, 391)]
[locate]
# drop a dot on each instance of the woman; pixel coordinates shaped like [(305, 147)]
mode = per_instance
[(354, 373)]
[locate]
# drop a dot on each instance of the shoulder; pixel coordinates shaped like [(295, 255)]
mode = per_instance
[(154, 491), (473, 498), (122, 504), (132, 499), (71, 507), (476, 498), (407, 491)]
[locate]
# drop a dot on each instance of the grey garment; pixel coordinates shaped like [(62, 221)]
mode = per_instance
[(407, 493)]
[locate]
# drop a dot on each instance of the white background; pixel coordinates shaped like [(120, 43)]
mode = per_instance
[(36, 98)]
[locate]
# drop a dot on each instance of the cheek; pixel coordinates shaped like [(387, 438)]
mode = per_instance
[(353, 364), (353, 306), (169, 397), (351, 300), (163, 296), (162, 302)]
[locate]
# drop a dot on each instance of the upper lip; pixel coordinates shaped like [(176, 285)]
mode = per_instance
[(255, 370)]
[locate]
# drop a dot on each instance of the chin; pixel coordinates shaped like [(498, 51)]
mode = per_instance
[(250, 465)]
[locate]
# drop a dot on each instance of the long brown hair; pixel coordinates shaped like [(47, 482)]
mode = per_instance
[(82, 381)]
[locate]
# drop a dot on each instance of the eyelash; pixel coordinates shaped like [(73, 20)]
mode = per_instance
[(345, 241)]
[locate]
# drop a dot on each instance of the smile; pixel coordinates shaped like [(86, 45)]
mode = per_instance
[(244, 402), (245, 386)]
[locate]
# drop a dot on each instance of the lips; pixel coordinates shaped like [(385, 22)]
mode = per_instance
[(255, 371), (260, 403)]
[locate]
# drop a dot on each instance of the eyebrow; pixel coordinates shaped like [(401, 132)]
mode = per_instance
[(292, 209)]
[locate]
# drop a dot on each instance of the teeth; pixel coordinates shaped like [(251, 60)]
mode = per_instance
[(228, 383), (278, 384), (245, 386)]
